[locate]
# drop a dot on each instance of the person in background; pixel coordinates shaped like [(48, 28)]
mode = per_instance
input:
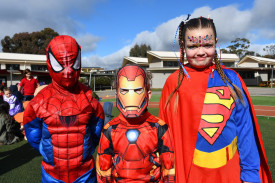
[(210, 113), (1, 91), (15, 92), (6, 124), (29, 83), (15, 105)]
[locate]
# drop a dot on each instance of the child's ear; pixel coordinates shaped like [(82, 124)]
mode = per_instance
[(149, 95)]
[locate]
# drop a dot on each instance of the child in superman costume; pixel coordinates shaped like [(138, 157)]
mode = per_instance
[(212, 120), (135, 146), (63, 121)]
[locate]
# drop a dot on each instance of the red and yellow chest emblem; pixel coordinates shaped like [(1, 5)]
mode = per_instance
[(217, 109)]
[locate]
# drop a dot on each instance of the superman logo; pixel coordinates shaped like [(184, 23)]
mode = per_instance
[(217, 109)]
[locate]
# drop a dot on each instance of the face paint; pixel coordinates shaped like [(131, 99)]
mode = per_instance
[(132, 95), (200, 54), (64, 60), (201, 40)]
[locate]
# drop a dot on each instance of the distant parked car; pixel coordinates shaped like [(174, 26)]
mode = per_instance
[(264, 83), (273, 84)]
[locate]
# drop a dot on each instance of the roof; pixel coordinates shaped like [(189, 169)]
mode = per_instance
[(136, 60), (22, 57), (229, 56), (260, 60)]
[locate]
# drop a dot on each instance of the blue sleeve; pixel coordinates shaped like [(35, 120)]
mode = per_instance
[(246, 139), (33, 128), (93, 130)]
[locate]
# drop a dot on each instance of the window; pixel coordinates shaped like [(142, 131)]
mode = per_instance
[(247, 74), (12, 66), (170, 64), (261, 65), (39, 67), (228, 64)]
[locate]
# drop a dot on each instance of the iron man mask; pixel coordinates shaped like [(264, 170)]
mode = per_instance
[(132, 95), (64, 60)]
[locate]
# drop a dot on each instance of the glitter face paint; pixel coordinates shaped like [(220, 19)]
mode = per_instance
[(199, 41)]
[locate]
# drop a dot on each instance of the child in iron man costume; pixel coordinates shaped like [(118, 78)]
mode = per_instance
[(135, 146), (63, 121)]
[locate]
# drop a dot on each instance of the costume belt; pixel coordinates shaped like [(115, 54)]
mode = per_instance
[(217, 158)]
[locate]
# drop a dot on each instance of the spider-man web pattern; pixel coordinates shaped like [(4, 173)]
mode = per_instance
[(135, 150), (63, 122)]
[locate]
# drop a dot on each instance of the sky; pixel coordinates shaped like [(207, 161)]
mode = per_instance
[(107, 29)]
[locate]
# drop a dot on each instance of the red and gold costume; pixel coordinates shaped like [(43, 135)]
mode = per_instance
[(216, 138), (135, 146), (63, 121)]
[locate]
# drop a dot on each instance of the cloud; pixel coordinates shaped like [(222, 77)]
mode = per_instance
[(87, 42), (29, 16), (258, 48), (108, 62), (255, 24)]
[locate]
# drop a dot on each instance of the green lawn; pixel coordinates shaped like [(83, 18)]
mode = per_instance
[(21, 163), (256, 100), (263, 100)]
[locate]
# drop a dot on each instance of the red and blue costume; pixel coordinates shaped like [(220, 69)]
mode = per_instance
[(135, 146), (63, 122), (216, 138)]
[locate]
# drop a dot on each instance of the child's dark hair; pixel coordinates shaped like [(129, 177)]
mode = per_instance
[(26, 71), (200, 23), (4, 107)]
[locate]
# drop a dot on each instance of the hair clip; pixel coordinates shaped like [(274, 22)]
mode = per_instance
[(208, 17)]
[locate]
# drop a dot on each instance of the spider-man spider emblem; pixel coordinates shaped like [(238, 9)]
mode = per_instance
[(64, 121)]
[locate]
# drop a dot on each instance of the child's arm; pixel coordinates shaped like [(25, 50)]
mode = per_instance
[(15, 106), (166, 152), (104, 162), (33, 127)]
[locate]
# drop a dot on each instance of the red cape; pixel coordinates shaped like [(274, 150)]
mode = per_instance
[(184, 122)]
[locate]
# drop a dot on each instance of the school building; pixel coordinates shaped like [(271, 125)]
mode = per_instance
[(162, 63), (12, 66)]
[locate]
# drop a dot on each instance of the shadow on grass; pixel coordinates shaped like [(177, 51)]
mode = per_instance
[(14, 158)]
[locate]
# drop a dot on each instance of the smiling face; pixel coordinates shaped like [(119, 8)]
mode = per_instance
[(200, 46)]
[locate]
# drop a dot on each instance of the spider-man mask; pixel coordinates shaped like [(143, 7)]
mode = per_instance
[(132, 95), (64, 60)]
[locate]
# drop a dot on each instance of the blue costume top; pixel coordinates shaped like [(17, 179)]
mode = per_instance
[(225, 127)]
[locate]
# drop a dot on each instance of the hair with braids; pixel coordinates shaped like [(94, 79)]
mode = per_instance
[(200, 23)]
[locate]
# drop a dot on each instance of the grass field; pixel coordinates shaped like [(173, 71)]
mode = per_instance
[(21, 163)]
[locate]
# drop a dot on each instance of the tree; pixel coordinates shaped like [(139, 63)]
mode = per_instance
[(270, 51), (239, 47), (24, 42), (140, 50)]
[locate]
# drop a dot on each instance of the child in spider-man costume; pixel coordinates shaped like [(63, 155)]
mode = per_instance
[(135, 146), (63, 121)]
